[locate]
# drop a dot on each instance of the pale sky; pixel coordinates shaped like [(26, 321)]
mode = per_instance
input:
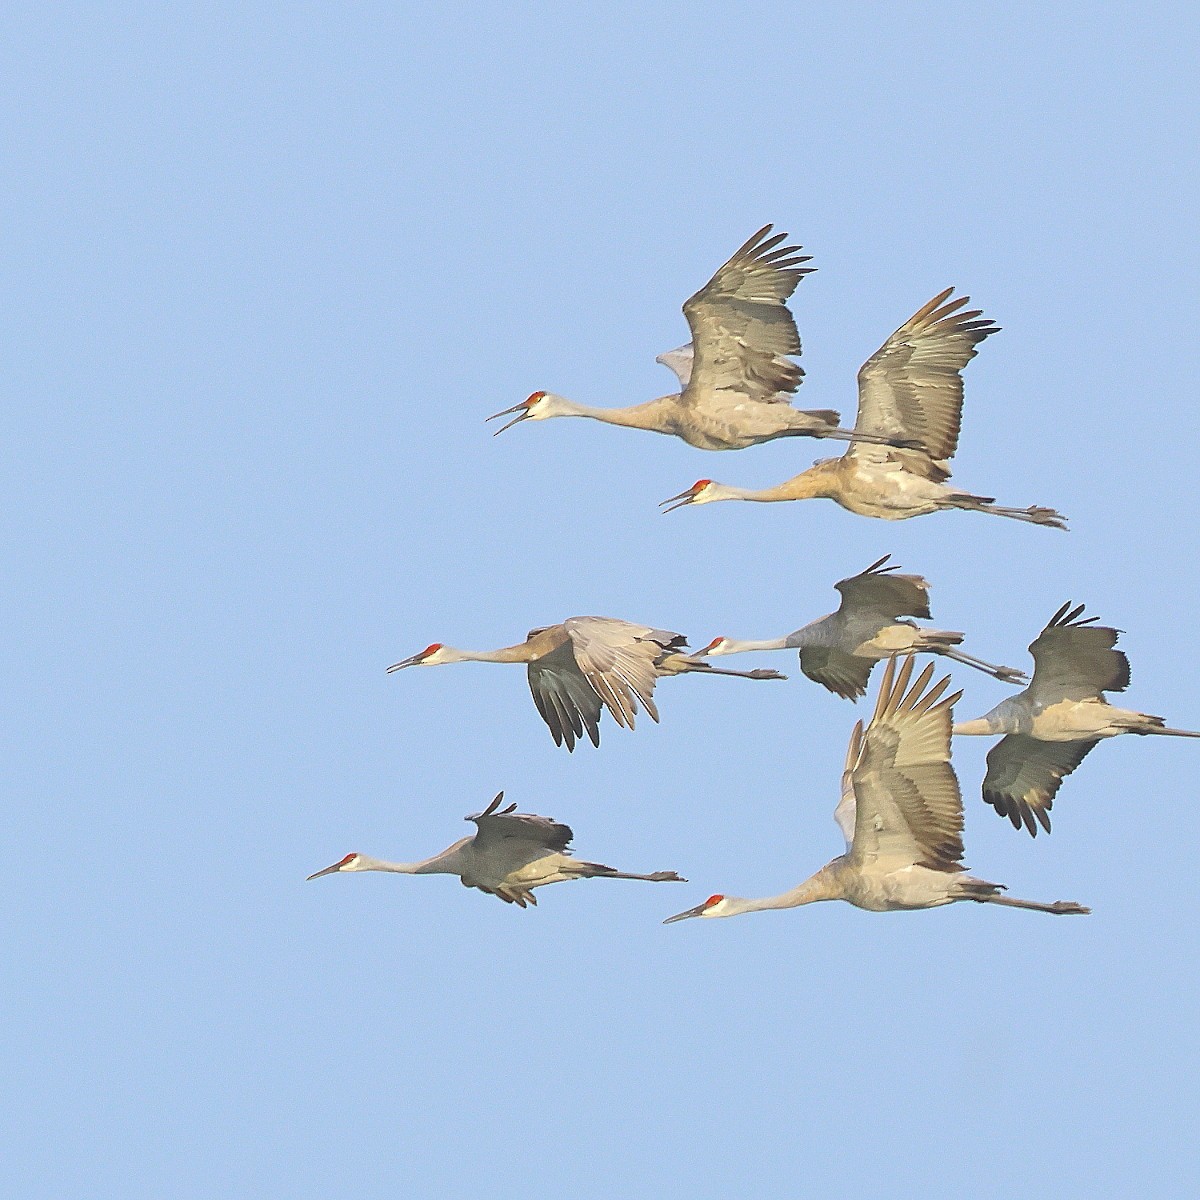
[(267, 270)]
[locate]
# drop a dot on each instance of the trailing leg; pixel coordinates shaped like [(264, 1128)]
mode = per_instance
[(1006, 674), (586, 870), (1034, 514), (1059, 906)]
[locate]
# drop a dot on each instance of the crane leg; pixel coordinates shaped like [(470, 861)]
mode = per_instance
[(1007, 674), (1034, 514), (599, 871), (1059, 906)]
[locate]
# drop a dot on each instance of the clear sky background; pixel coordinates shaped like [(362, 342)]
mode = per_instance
[(266, 270)]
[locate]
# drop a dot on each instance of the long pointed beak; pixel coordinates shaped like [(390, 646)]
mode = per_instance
[(328, 871), (677, 501), (408, 662), (683, 916), (522, 409)]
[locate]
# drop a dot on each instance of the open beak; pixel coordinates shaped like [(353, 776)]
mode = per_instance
[(683, 916), (521, 409), (677, 502), (408, 662), (328, 871)]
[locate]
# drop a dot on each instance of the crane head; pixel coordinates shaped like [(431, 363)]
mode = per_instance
[(701, 492), (349, 863), (714, 906), (433, 654), (535, 407), (717, 646)]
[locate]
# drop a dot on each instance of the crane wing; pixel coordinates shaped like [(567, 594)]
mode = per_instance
[(845, 675), (497, 825), (879, 590), (742, 331), (912, 387), (680, 361), (567, 702), (1074, 659), (619, 660), (844, 814), (1024, 775), (908, 806)]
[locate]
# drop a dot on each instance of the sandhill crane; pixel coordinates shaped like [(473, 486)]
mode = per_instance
[(585, 664), (1051, 726), (839, 650), (901, 815), (511, 854), (910, 388), (735, 377)]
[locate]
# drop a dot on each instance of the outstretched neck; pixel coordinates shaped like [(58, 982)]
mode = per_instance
[(506, 654), (653, 415), (428, 866), (980, 727), (818, 481), (731, 646), (824, 885)]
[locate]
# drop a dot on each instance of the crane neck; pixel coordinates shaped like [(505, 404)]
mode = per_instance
[(733, 646), (653, 414), (979, 727), (521, 652), (814, 482), (427, 866), (824, 885)]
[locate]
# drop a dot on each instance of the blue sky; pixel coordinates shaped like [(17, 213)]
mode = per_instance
[(266, 270)]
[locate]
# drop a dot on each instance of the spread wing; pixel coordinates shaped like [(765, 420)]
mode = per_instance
[(908, 806), (567, 702), (1074, 659), (1024, 775), (844, 674), (844, 814), (618, 659), (741, 329), (498, 825), (878, 590), (912, 387)]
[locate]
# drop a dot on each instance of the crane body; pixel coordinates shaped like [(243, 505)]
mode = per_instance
[(1048, 729), (510, 854), (910, 392), (839, 650), (736, 376), (901, 814), (584, 665)]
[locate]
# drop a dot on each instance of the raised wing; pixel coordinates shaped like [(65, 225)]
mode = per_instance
[(680, 361), (844, 674), (1024, 775), (498, 825), (567, 702), (618, 659), (846, 809), (911, 387), (908, 806), (1073, 659), (879, 590), (741, 329)]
